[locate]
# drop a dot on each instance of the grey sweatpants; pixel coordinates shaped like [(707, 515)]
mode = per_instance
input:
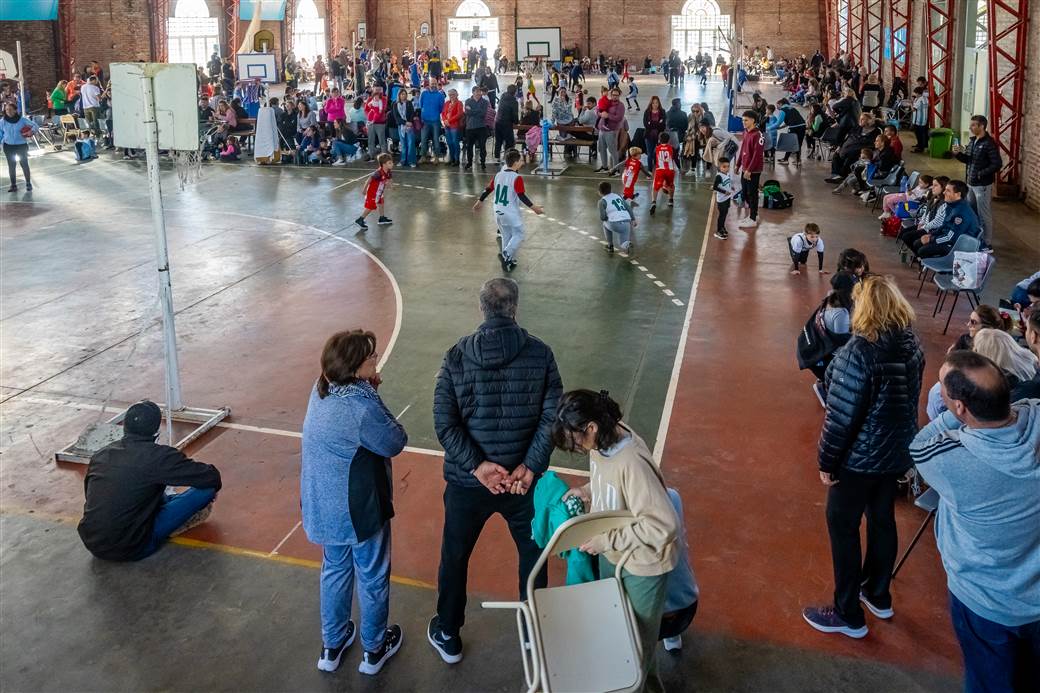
[(618, 233), (376, 138), (606, 146)]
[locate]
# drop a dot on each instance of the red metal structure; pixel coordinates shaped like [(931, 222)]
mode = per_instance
[(900, 14), (229, 12), (67, 38), (158, 14), (872, 13), (939, 21), (332, 25), (1008, 23), (857, 11)]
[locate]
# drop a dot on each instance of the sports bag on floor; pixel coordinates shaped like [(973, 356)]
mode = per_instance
[(891, 227)]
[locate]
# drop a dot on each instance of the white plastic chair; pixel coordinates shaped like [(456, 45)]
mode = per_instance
[(579, 638)]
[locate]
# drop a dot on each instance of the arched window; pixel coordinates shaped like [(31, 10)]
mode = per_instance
[(308, 32), (192, 33), (697, 29), (472, 8), (472, 27)]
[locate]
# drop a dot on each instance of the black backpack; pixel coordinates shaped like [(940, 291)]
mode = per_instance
[(815, 341)]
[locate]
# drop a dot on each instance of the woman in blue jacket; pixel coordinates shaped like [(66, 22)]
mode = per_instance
[(346, 495), (16, 148)]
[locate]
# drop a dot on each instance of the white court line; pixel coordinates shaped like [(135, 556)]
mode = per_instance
[(403, 411), (651, 276), (352, 180), (673, 381), (299, 523), (658, 283), (251, 429)]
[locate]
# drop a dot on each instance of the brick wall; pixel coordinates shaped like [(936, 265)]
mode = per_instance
[(628, 28), (38, 58), (112, 31), (1031, 122)]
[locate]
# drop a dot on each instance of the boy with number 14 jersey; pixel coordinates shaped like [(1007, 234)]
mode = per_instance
[(508, 188)]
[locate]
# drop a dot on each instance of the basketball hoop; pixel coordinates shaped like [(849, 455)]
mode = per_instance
[(188, 164)]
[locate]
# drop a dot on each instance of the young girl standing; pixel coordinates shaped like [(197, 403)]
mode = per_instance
[(624, 477)]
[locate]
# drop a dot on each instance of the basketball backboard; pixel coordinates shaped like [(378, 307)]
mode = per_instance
[(176, 91)]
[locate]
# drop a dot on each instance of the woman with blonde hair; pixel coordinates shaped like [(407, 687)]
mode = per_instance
[(873, 384), (346, 497), (1018, 363)]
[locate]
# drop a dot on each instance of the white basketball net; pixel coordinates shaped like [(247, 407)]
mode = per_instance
[(188, 164)]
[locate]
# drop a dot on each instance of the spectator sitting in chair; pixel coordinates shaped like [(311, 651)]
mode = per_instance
[(128, 514), (859, 138), (959, 219), (982, 456)]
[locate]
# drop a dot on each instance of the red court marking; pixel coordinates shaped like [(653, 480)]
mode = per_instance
[(742, 451)]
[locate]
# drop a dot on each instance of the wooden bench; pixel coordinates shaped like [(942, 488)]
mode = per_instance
[(582, 136)]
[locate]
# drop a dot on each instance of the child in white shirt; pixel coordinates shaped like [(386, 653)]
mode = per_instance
[(725, 191), (801, 243)]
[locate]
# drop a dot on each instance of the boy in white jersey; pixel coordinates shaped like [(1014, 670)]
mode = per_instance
[(508, 188), (618, 220)]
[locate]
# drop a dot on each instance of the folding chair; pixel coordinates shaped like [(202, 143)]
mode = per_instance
[(944, 264), (929, 502), (69, 128), (889, 181), (579, 638), (946, 287)]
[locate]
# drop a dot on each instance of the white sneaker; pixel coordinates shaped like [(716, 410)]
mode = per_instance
[(876, 610), (747, 223), (673, 644), (339, 162), (884, 216)]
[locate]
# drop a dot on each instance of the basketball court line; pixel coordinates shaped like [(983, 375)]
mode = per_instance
[(673, 381)]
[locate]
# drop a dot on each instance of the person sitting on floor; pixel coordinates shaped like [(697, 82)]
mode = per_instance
[(128, 514), (231, 151)]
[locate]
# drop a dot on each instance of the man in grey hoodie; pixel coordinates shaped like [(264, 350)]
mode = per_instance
[(982, 456)]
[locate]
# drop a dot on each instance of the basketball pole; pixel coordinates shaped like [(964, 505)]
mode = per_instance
[(21, 79), (173, 382)]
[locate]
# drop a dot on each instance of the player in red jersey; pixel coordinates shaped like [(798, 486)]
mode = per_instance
[(664, 174), (631, 168), (378, 183)]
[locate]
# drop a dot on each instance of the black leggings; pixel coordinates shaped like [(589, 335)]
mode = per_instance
[(21, 151)]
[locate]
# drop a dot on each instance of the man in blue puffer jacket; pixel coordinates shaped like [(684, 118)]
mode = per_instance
[(493, 407)]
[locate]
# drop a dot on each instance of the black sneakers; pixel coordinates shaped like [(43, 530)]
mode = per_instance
[(448, 647), (360, 221), (653, 209), (609, 249), (372, 662), (383, 221), (331, 656)]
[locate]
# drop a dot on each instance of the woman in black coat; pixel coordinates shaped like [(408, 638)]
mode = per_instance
[(873, 386)]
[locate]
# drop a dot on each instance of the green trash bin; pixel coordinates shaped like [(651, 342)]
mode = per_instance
[(940, 140)]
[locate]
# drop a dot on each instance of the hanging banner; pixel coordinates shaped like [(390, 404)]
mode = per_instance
[(270, 10), (28, 10)]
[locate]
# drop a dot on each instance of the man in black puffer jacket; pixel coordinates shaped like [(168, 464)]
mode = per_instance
[(873, 386), (493, 408)]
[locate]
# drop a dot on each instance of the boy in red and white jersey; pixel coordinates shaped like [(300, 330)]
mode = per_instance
[(508, 189), (664, 174), (375, 189), (630, 168)]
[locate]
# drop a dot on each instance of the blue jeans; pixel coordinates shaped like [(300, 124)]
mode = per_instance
[(407, 135), (431, 130), (454, 141), (371, 561), (997, 659), (341, 150), (176, 509)]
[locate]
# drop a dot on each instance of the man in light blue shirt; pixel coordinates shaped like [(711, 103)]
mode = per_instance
[(982, 456)]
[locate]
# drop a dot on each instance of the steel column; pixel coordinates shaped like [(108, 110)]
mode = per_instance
[(939, 21), (857, 13), (900, 13), (332, 26), (289, 27), (229, 13), (872, 28), (842, 25), (67, 36), (1008, 25), (158, 15)]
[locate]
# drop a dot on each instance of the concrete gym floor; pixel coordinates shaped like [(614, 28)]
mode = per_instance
[(266, 263)]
